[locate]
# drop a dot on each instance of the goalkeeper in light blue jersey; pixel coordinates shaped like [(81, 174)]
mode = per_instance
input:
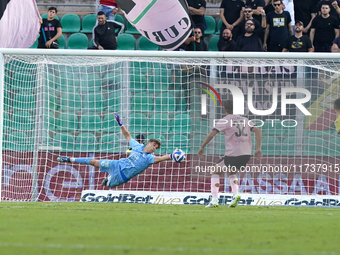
[(121, 171), (337, 112)]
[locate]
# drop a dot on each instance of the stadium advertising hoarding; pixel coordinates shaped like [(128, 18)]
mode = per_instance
[(193, 198), (61, 182)]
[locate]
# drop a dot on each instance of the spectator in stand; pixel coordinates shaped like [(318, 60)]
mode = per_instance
[(228, 44), (195, 42), (104, 36), (298, 42), (50, 30), (251, 40), (278, 28), (248, 16), (256, 6), (305, 11), (109, 7), (231, 15), (333, 7), (325, 28), (197, 10), (336, 45)]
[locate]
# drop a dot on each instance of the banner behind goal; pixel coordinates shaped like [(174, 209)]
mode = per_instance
[(62, 105)]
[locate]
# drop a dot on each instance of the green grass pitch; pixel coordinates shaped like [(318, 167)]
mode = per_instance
[(88, 228)]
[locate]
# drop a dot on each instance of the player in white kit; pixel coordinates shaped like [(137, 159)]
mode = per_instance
[(238, 146)]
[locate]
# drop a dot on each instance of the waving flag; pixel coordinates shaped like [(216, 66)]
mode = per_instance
[(164, 22), (19, 23)]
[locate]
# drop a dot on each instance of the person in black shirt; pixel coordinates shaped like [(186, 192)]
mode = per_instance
[(251, 40), (336, 45), (197, 10), (228, 44), (104, 35), (257, 6), (298, 42), (324, 30), (278, 28), (333, 6), (50, 30), (195, 42), (305, 11)]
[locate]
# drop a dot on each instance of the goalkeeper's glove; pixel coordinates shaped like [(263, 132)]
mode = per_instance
[(120, 123)]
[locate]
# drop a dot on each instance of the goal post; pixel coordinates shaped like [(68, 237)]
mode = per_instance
[(60, 103)]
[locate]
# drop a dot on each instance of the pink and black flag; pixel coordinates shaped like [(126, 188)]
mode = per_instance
[(166, 23), (19, 23)]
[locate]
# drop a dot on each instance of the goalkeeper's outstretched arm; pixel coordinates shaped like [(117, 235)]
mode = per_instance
[(162, 158), (125, 132)]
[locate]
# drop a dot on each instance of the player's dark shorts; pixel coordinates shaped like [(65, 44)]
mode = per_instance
[(236, 162)]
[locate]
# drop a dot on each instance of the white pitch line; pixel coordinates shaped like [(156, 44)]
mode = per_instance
[(160, 249)]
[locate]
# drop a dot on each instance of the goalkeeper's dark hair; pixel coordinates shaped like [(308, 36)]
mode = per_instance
[(159, 143), (337, 104), (228, 106)]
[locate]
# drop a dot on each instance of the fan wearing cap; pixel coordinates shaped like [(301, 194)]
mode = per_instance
[(298, 42)]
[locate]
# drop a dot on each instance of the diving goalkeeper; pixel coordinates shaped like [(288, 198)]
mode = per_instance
[(121, 171)]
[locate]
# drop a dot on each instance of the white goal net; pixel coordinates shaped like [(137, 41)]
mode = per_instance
[(62, 105)]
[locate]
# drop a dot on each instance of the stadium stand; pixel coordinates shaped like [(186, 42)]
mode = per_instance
[(88, 22), (126, 42), (70, 23), (78, 41)]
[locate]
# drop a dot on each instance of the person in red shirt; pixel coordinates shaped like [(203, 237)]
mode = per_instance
[(109, 7)]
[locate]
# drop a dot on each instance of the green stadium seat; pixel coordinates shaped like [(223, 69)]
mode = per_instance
[(7, 101), (70, 23), (88, 23), (86, 142), (90, 122), (165, 102), (219, 24), (181, 124), (131, 29), (138, 82), (90, 82), (213, 43), (315, 146), (110, 80), (271, 146), (23, 80), (120, 19), (219, 144), (145, 44), (159, 123), (114, 102), (142, 102), (324, 134), (62, 42), (65, 141), (45, 16), (6, 122), (288, 146), (334, 147), (196, 143), (94, 103), (7, 82), (109, 143), (67, 122), (18, 141), (67, 81), (161, 138), (159, 83), (180, 142), (202, 126), (110, 124), (274, 128), (49, 121), (78, 41), (51, 101), (70, 102), (138, 123), (211, 25), (24, 101), (22, 121), (126, 42), (182, 105)]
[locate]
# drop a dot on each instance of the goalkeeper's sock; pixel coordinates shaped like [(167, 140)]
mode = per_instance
[(85, 161), (215, 186), (234, 183)]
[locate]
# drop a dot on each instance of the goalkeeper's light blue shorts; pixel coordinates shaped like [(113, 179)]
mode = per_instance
[(116, 176)]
